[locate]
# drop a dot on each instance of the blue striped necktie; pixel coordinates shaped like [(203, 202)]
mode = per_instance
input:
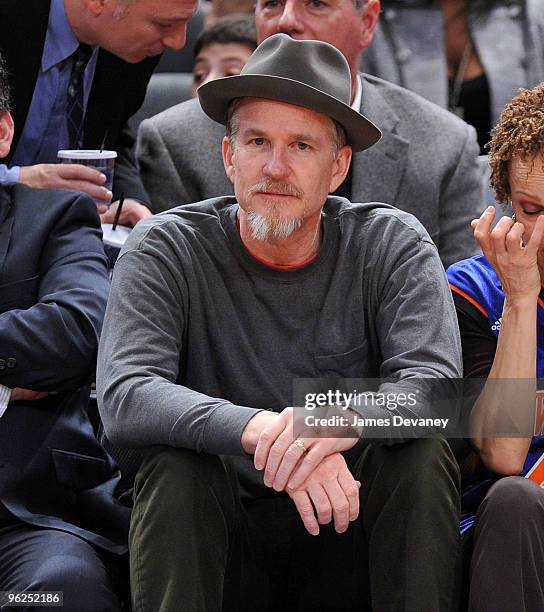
[(74, 96)]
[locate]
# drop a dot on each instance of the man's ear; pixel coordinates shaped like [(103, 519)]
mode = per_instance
[(6, 133), (340, 167), (369, 21), (95, 7), (228, 151)]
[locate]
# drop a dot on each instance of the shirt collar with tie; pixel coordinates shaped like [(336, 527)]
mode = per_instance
[(60, 42)]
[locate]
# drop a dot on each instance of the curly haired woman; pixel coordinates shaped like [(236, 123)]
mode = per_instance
[(500, 307)]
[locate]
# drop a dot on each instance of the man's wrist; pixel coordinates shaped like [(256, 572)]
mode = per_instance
[(254, 428)]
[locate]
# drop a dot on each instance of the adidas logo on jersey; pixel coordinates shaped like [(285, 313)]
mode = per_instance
[(497, 325)]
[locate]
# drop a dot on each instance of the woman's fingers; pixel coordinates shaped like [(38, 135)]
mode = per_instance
[(481, 227), (498, 235), (514, 238), (536, 237)]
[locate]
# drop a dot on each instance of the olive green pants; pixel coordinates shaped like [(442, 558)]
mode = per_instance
[(196, 545)]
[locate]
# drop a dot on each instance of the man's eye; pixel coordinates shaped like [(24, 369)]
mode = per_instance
[(270, 4), (317, 3), (258, 141), (303, 146), (531, 212)]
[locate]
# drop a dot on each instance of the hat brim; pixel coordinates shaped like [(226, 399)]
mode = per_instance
[(215, 97)]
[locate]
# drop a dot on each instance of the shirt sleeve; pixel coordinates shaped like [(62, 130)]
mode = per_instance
[(9, 175), (53, 342), (140, 398)]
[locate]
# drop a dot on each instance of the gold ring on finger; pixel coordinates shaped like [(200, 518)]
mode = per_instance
[(298, 442)]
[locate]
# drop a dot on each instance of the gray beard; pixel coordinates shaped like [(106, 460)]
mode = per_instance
[(263, 228)]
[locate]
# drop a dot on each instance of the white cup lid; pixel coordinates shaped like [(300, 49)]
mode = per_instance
[(86, 154), (117, 237)]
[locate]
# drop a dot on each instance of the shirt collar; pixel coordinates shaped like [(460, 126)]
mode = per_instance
[(356, 106), (60, 41)]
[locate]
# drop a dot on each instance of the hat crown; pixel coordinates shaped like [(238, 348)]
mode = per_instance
[(317, 64)]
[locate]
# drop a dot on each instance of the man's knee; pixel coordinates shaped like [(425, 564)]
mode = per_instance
[(514, 497), (167, 468), (83, 580), (430, 458), (419, 463), (173, 482)]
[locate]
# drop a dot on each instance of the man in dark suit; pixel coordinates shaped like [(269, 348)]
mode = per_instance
[(117, 44), (61, 528)]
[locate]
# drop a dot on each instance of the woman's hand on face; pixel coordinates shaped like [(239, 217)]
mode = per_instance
[(514, 262)]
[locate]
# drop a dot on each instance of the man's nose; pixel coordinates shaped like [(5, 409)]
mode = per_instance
[(176, 38), (277, 166), (212, 76), (290, 21)]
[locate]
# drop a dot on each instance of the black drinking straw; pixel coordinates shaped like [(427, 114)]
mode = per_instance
[(104, 141), (118, 212)]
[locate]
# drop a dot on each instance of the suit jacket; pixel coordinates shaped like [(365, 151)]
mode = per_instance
[(425, 163), (117, 91), (53, 292), (408, 48)]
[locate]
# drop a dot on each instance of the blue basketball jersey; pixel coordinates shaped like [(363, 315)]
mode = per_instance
[(476, 281)]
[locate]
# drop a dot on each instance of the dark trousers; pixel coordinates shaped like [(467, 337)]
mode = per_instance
[(36, 559), (195, 545), (507, 569)]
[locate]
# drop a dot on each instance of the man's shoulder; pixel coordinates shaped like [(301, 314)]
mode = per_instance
[(411, 109), (183, 222), (374, 215), (11, 12), (375, 219), (186, 117)]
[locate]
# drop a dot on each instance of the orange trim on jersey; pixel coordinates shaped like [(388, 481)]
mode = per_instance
[(469, 299), (536, 473), (541, 302)]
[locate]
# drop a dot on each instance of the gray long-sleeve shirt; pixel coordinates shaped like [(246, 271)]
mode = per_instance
[(199, 335)]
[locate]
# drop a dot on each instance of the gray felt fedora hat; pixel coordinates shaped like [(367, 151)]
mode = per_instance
[(307, 73)]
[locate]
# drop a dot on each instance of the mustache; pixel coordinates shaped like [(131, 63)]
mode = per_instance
[(283, 187)]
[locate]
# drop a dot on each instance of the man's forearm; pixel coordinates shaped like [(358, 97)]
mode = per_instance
[(254, 428)]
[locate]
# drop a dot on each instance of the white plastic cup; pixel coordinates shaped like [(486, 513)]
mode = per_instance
[(115, 237), (104, 161)]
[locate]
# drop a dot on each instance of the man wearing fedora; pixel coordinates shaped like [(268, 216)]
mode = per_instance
[(425, 163), (217, 307)]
